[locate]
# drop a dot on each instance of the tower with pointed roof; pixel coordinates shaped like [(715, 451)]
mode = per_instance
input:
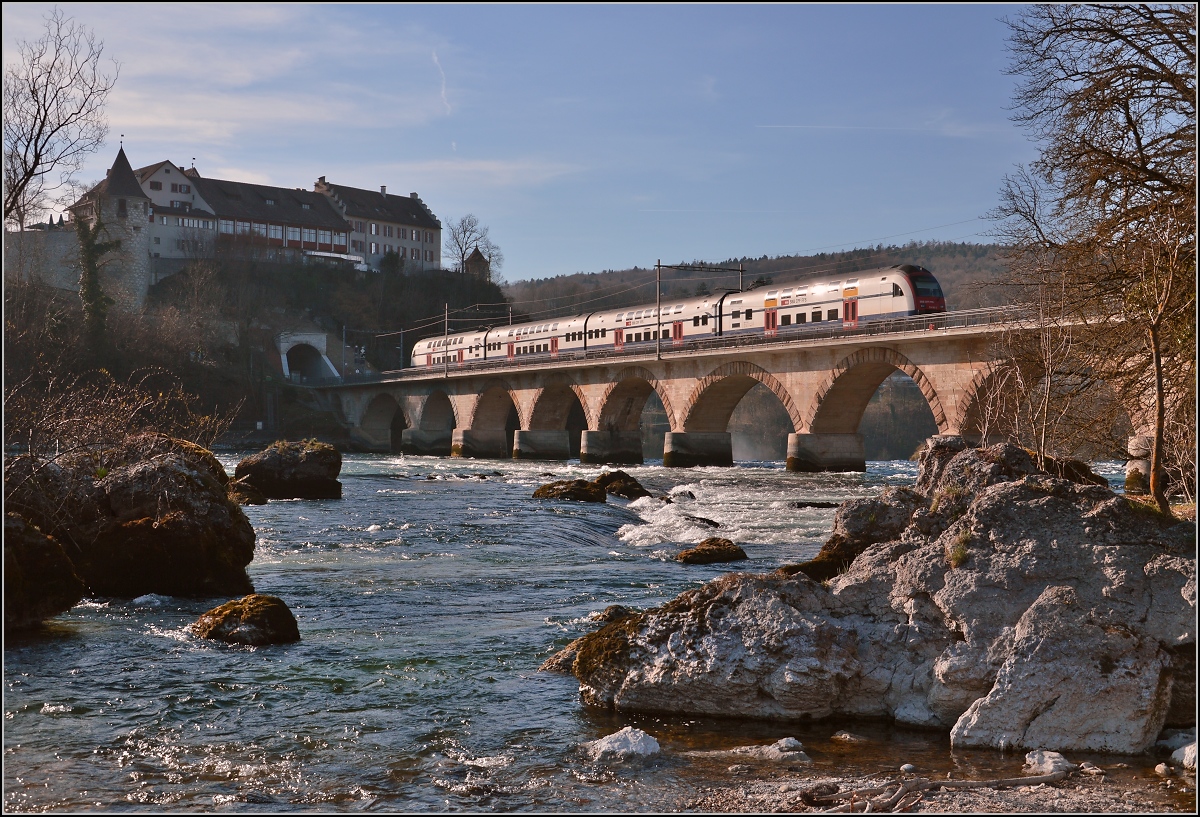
[(124, 209)]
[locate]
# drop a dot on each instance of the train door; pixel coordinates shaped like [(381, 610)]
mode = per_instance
[(553, 347), (850, 313), (619, 339), (429, 361), (770, 322), (677, 333), (512, 350), (460, 356)]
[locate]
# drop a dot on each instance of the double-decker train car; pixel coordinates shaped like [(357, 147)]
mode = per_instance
[(846, 301)]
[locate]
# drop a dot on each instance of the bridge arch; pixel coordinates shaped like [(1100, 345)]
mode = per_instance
[(437, 413), (383, 422), (838, 404), (555, 403), (716, 395), (495, 407), (622, 403)]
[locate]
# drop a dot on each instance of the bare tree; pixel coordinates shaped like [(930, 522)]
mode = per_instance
[(466, 235), (1108, 208), (54, 98)]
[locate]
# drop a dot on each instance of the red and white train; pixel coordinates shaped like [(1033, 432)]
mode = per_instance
[(847, 301)]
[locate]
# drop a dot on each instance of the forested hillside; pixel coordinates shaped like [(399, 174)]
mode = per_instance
[(961, 268)]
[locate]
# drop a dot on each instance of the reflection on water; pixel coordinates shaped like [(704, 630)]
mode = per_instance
[(426, 598)]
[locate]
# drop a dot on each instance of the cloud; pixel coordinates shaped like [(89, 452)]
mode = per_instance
[(445, 101)]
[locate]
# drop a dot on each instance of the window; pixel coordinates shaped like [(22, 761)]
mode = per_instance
[(374, 228), (604, 333), (816, 315), (339, 239), (260, 229), (324, 237), (695, 320), (226, 226), (310, 235), (833, 315), (157, 240), (387, 230), (897, 292), (276, 231), (184, 188), (374, 248), (121, 211), (270, 201), (704, 320), (800, 317), (787, 320), (415, 253), (404, 233), (429, 255), (174, 188), (156, 185), (243, 228), (305, 206), (749, 314), (355, 244), (293, 233)]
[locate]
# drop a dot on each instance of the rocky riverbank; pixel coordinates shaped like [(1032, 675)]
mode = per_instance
[(1010, 607)]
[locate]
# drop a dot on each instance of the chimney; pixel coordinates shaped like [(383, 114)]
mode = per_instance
[(383, 189), (415, 196), (321, 180)]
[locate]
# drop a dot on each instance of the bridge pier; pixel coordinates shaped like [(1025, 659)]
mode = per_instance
[(425, 443), (611, 447), (541, 445), (482, 443), (692, 448), (826, 452)]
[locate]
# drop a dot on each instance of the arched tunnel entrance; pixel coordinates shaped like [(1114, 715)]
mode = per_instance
[(305, 363)]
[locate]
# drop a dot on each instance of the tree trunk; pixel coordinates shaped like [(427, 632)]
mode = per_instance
[(1158, 478)]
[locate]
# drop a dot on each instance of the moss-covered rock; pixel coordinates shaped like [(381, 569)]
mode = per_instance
[(294, 470), (579, 490), (255, 620), (711, 551), (618, 483), (39, 579)]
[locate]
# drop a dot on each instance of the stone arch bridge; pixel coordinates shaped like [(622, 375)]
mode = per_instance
[(592, 406)]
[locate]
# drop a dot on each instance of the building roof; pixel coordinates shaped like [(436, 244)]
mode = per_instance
[(120, 182), (248, 202), (375, 204)]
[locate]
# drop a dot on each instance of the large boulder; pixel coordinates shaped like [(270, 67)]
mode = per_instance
[(148, 514), (171, 529), (860, 523), (39, 579), (255, 620), (1019, 610), (579, 490), (294, 470)]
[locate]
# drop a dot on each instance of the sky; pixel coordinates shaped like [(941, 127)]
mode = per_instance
[(585, 137)]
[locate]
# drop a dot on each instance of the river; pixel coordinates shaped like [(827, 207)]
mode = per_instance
[(427, 598)]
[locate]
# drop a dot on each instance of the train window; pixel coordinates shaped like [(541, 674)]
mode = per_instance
[(897, 292), (786, 320), (554, 328), (816, 315), (604, 332), (695, 320), (749, 314), (835, 286), (678, 308), (800, 317), (833, 315), (704, 320), (801, 291)]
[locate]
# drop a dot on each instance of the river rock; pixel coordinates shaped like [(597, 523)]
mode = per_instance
[(712, 550), (171, 529), (618, 483), (579, 490), (1041, 762), (294, 470), (787, 750), (39, 579), (621, 746), (563, 660), (255, 620), (1185, 756), (1037, 613), (860, 523), (243, 493)]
